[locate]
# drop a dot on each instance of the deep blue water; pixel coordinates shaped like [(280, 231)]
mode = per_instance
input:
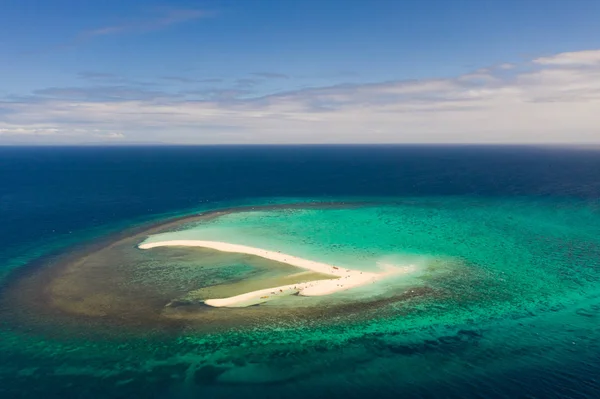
[(49, 194), (50, 191)]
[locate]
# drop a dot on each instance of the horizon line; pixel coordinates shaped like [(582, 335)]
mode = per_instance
[(441, 144)]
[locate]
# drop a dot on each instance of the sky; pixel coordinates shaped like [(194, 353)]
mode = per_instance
[(299, 71)]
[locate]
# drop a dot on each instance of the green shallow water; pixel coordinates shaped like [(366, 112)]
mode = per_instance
[(517, 252), (512, 288)]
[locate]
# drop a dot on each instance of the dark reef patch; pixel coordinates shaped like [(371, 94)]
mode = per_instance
[(108, 283)]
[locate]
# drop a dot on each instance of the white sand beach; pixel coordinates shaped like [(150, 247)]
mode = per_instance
[(344, 278)]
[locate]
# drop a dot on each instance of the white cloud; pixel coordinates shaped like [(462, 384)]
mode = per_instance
[(551, 103), (166, 18), (506, 65), (41, 130), (578, 58), (29, 131), (113, 135)]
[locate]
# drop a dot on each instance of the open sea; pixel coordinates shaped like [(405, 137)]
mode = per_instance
[(507, 304)]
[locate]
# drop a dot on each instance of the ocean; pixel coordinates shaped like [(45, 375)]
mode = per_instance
[(508, 306)]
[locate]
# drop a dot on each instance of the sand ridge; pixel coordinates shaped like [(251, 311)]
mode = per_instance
[(344, 278)]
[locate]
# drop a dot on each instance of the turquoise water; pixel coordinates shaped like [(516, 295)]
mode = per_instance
[(515, 251), (507, 306), (512, 288)]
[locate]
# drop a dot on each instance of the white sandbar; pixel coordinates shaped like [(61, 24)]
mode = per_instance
[(346, 278)]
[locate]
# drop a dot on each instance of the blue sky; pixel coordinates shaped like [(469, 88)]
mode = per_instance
[(290, 71)]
